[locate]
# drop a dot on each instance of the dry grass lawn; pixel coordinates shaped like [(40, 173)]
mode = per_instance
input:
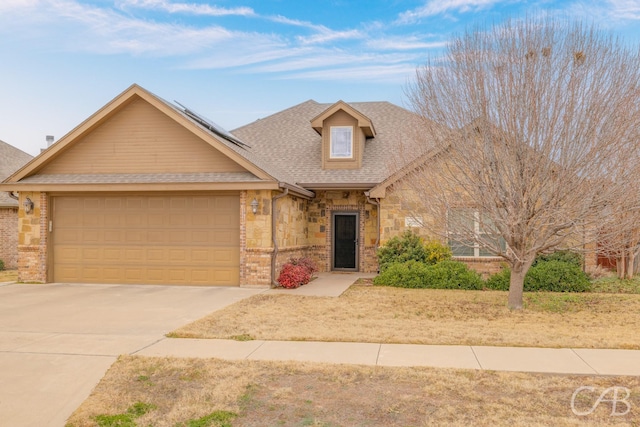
[(178, 392), (8, 275), (427, 316)]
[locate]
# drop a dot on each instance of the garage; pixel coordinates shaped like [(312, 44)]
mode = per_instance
[(170, 238)]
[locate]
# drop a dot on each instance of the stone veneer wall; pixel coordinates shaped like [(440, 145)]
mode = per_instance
[(320, 210), (255, 239), (32, 239), (9, 237), (398, 208), (292, 230)]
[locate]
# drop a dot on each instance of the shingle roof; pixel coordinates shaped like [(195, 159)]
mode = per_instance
[(287, 139), (11, 159), (254, 156)]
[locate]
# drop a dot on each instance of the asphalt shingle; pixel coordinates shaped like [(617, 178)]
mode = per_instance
[(286, 139), (11, 159)]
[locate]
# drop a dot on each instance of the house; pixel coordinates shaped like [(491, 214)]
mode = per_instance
[(11, 159), (147, 191)]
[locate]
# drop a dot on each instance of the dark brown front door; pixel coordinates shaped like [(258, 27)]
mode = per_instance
[(345, 241)]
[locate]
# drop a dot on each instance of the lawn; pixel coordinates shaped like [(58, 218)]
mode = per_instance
[(175, 392), (195, 392), (425, 316)]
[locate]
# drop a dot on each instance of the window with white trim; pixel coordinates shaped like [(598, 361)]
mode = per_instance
[(466, 227), (341, 142)]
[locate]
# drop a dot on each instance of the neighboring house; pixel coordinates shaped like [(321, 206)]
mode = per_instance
[(145, 191), (11, 159)]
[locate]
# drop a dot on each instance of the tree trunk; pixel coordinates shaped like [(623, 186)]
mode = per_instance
[(516, 285), (630, 267), (621, 264)]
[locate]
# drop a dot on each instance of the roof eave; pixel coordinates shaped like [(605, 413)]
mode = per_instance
[(338, 185), (133, 187)]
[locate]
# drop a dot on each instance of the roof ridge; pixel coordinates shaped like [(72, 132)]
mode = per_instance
[(277, 113)]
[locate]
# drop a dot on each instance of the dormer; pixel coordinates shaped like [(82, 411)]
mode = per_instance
[(344, 131)]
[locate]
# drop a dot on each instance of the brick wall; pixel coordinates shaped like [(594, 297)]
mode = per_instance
[(9, 237), (486, 266), (32, 239)]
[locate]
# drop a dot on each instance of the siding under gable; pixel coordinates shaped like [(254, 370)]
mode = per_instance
[(140, 139), (342, 118)]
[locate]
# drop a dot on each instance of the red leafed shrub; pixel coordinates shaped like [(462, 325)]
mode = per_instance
[(292, 276), (306, 263)]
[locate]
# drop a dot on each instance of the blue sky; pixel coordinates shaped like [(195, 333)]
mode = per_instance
[(234, 61)]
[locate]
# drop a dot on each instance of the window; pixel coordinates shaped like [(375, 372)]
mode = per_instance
[(466, 227), (341, 142)]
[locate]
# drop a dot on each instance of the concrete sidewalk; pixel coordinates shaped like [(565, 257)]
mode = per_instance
[(327, 284), (520, 359)]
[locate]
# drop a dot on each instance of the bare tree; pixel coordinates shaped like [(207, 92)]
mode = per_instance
[(619, 229), (541, 115)]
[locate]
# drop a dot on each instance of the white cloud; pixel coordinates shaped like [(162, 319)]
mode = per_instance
[(322, 34), (249, 54), (7, 5), (403, 43), (398, 73), (188, 8), (437, 7), (330, 36), (296, 23), (75, 26), (625, 9)]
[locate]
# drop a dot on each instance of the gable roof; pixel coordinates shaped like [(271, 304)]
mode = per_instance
[(258, 171), (281, 150), (11, 159), (364, 122), (288, 138)]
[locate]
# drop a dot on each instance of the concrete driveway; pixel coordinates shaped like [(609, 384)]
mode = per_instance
[(57, 340)]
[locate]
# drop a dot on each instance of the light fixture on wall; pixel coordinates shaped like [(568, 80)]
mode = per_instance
[(28, 205), (254, 206)]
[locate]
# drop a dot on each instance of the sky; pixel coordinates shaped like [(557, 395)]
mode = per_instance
[(235, 61)]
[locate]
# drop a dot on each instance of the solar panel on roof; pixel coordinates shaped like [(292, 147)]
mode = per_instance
[(212, 126)]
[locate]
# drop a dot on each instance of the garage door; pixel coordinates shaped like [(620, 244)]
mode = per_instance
[(168, 239)]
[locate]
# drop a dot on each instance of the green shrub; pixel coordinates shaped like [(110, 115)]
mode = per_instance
[(410, 274), (1, 265), (454, 275), (436, 252), (399, 249), (565, 256), (410, 247), (556, 276), (499, 281), (443, 275), (549, 276)]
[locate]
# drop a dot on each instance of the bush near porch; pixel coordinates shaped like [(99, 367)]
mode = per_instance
[(408, 262)]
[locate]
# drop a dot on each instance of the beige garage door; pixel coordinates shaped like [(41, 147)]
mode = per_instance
[(168, 239)]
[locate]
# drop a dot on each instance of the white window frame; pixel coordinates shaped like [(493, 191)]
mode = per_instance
[(333, 153), (476, 231)]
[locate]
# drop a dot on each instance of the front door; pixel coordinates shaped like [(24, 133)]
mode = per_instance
[(345, 241)]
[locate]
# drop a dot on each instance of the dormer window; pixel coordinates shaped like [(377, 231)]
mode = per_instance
[(341, 142)]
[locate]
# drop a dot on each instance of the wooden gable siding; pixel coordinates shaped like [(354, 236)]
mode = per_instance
[(342, 118), (140, 139)]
